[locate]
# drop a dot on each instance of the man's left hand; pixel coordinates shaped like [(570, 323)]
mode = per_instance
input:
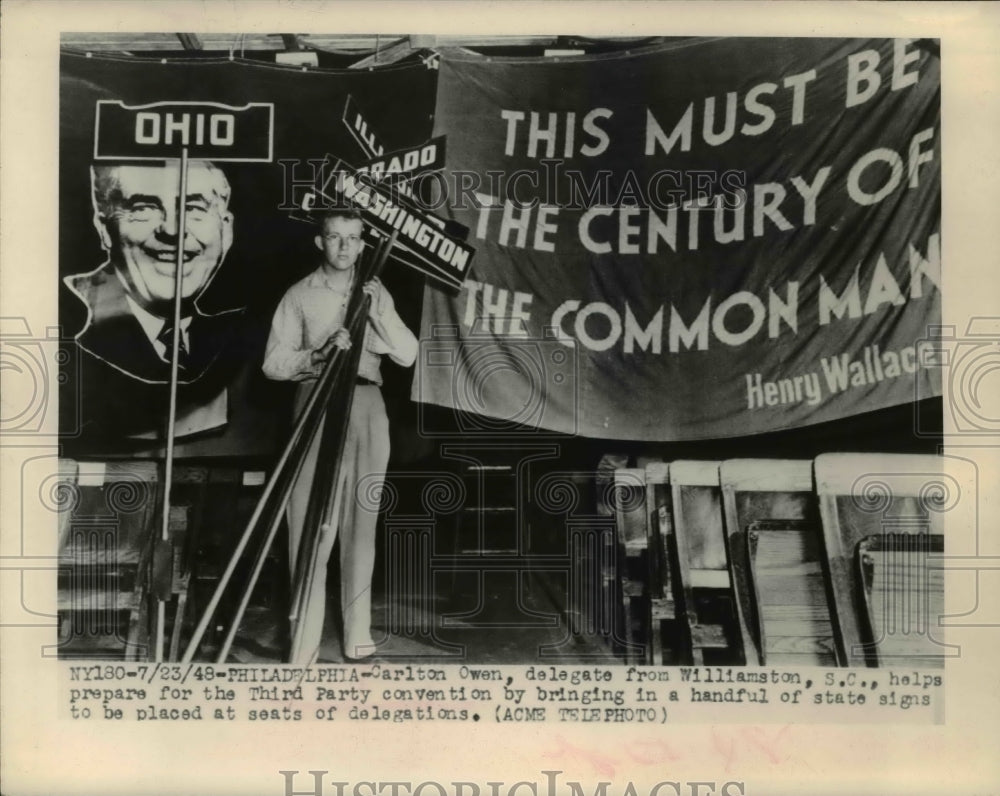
[(378, 294)]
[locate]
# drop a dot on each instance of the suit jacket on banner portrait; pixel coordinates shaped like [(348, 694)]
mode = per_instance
[(115, 386), (121, 384)]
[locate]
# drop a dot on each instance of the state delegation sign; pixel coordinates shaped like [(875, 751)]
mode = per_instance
[(438, 254), (208, 130)]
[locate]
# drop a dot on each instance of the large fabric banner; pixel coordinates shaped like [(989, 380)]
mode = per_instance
[(704, 239), (256, 135)]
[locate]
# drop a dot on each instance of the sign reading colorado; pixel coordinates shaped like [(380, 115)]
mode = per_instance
[(209, 130)]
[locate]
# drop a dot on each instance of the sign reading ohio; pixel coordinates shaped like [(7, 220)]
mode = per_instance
[(209, 130)]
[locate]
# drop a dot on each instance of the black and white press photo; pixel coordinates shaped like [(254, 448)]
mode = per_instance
[(555, 400), (561, 351)]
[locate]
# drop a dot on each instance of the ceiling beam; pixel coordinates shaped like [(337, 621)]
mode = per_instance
[(360, 45), (396, 51)]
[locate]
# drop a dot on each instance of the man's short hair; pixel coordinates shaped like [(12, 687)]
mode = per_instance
[(340, 211), (104, 183)]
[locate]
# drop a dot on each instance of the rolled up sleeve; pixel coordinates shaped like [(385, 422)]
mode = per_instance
[(400, 344), (286, 358)]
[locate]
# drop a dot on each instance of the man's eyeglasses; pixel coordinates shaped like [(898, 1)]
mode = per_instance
[(336, 240)]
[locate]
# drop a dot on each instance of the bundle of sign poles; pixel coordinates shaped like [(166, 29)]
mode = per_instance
[(330, 399)]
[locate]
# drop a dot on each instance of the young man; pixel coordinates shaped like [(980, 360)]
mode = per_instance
[(308, 324)]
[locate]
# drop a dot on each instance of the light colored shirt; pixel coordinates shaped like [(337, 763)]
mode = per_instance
[(308, 315)]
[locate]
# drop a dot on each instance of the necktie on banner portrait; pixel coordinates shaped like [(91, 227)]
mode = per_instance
[(702, 239), (273, 127)]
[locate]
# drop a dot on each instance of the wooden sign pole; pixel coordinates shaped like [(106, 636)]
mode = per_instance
[(175, 344), (154, 132)]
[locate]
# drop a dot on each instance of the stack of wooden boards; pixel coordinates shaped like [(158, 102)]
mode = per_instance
[(832, 561)]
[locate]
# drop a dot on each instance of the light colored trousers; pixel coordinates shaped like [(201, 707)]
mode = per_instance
[(366, 453)]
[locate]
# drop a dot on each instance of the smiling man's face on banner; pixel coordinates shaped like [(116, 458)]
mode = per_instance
[(137, 215)]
